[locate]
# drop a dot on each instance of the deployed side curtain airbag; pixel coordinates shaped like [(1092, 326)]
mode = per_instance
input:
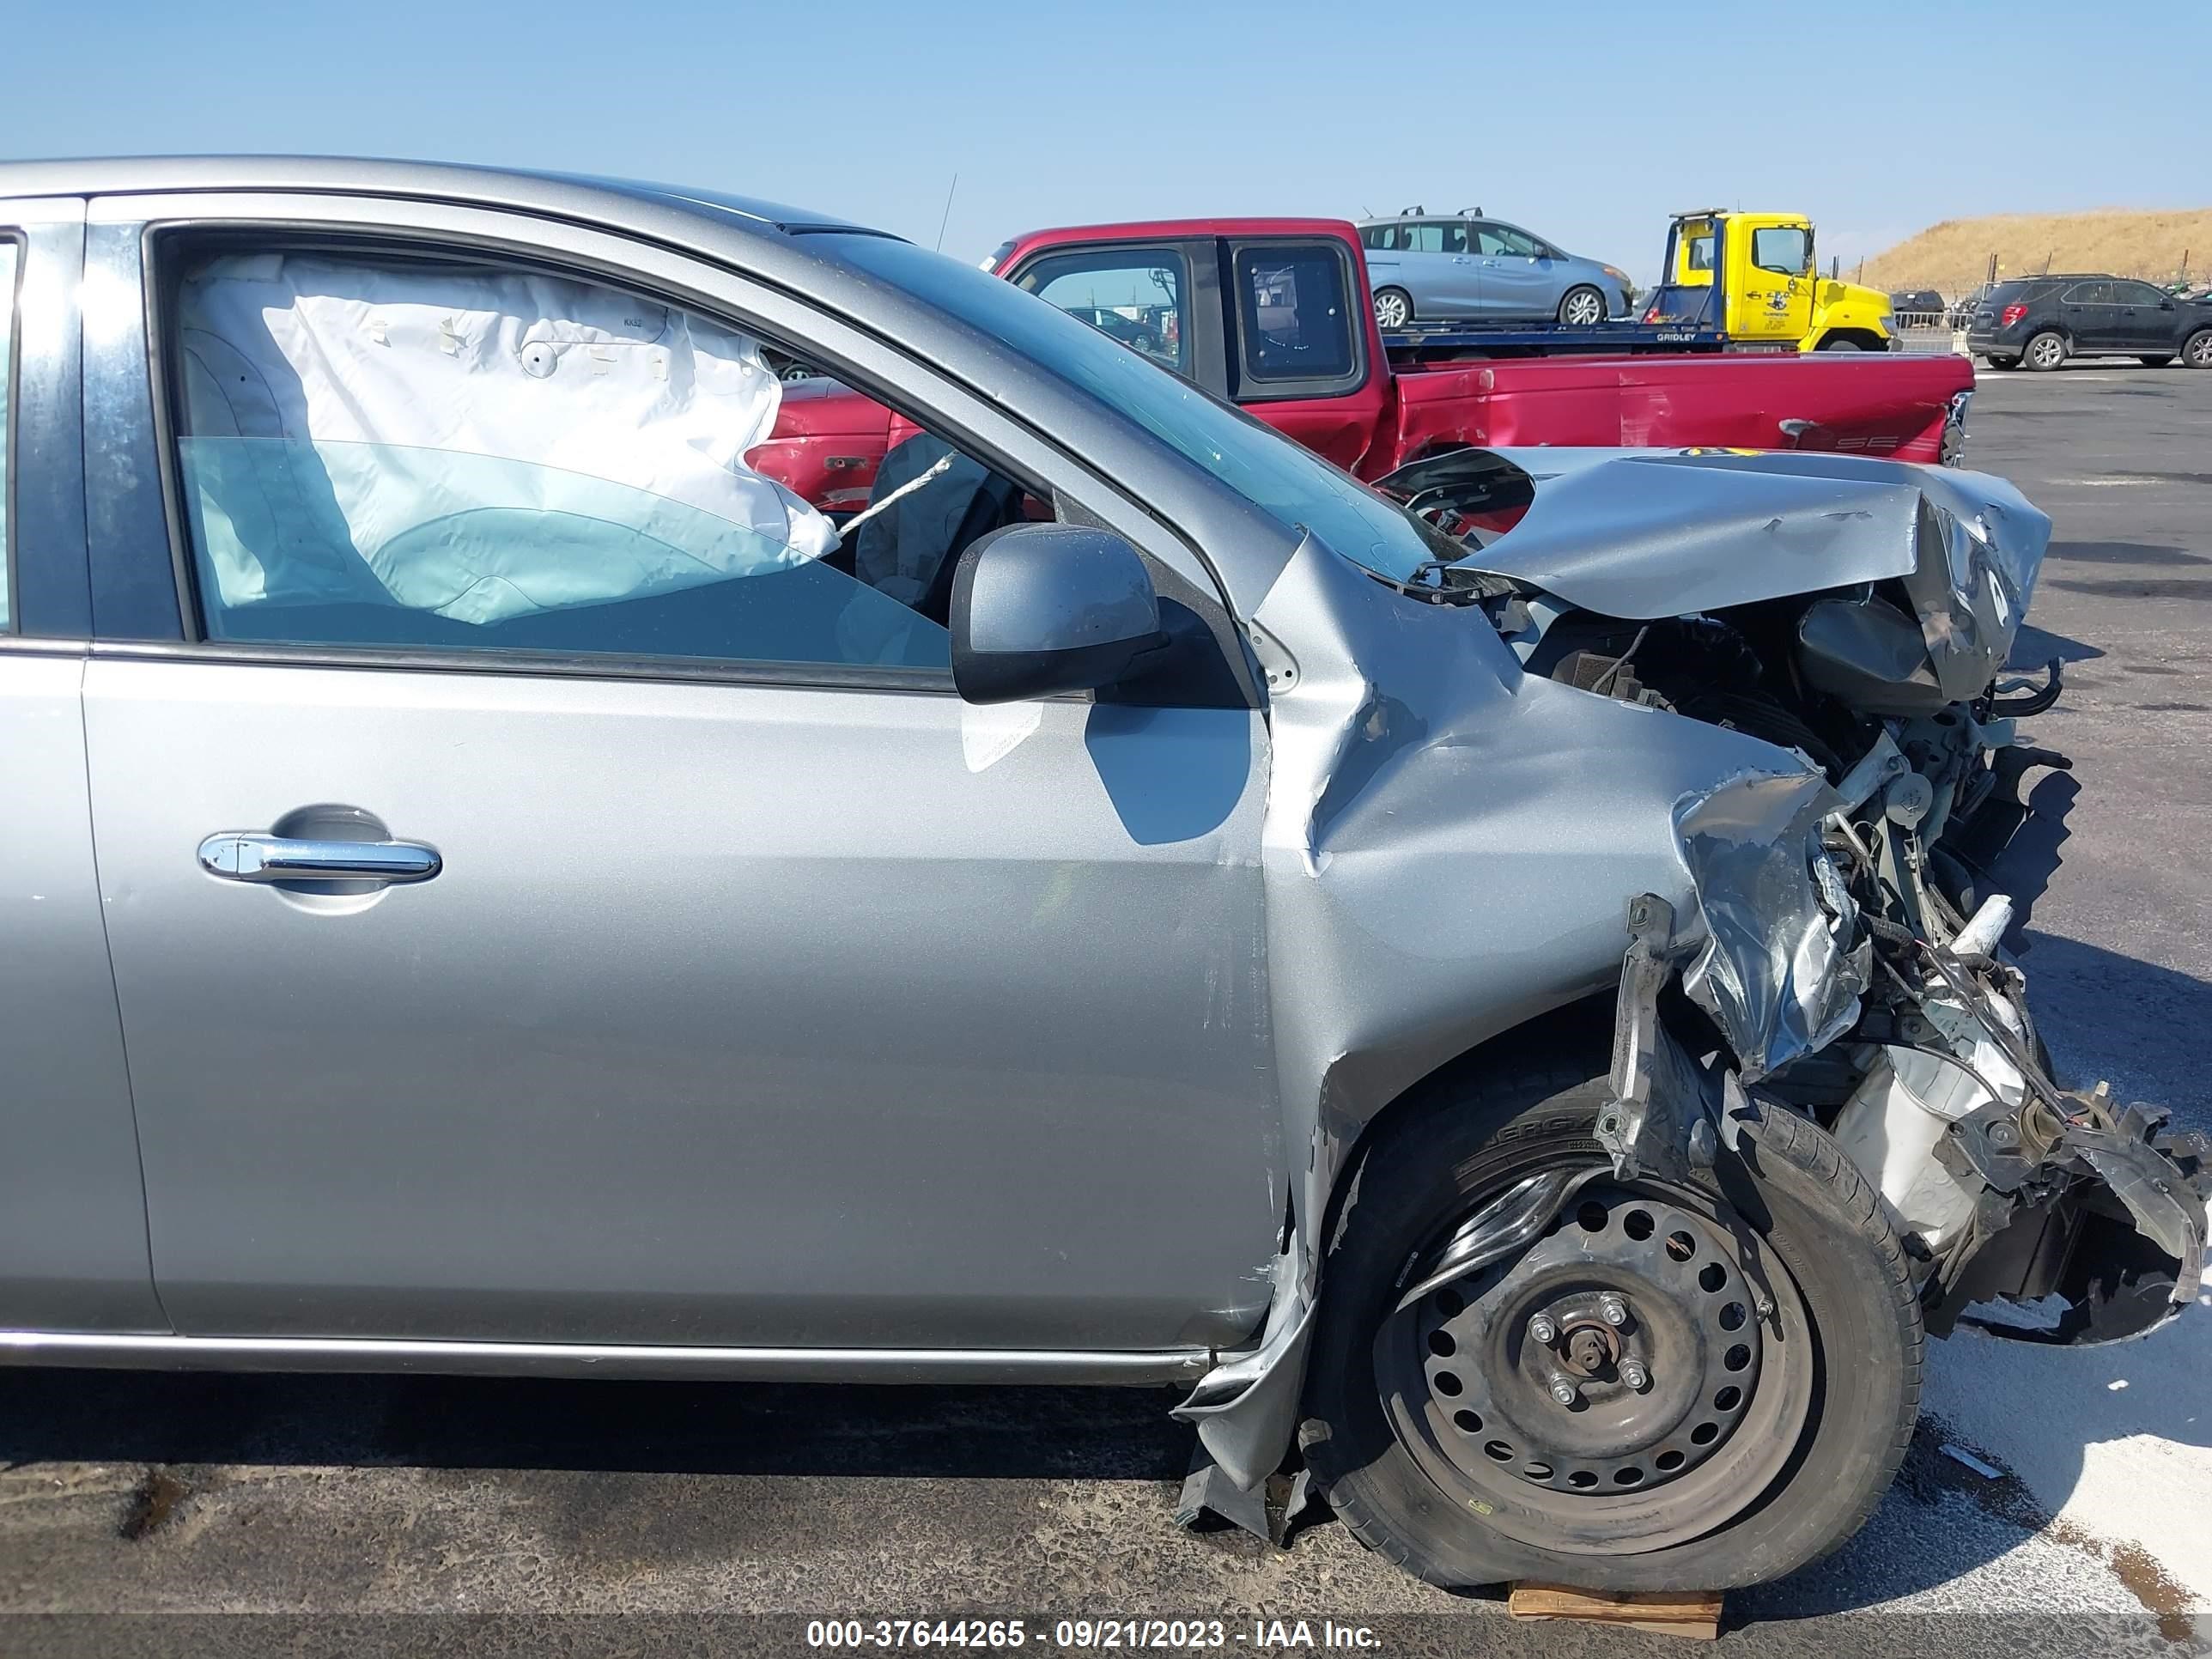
[(479, 443)]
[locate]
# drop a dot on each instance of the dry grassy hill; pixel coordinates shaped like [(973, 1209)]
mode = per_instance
[(1955, 255)]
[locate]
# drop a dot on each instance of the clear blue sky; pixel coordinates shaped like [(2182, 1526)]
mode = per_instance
[(1586, 121)]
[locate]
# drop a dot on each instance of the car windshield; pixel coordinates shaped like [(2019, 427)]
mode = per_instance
[(1295, 486)]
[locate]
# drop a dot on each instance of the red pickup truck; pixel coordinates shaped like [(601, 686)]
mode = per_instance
[(1275, 315)]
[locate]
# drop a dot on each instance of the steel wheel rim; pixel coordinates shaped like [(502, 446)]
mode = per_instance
[(2200, 351), (1391, 311), (1525, 1464), (2047, 352), (1584, 310)]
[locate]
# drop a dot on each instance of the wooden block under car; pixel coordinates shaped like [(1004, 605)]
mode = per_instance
[(1696, 1614)]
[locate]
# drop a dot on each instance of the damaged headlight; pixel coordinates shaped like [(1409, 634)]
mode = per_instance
[(1972, 582)]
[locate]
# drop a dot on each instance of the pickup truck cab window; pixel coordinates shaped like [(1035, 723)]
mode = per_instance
[(1137, 296), (419, 452), (1294, 316)]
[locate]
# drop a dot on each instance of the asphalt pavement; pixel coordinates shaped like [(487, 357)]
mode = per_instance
[(422, 1514)]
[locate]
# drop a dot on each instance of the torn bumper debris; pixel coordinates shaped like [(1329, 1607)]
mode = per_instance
[(2095, 1226), (1778, 970)]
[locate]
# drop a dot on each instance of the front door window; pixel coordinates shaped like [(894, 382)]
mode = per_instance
[(470, 458)]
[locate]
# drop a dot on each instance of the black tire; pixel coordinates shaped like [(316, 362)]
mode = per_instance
[(2157, 362), (2197, 350), (1837, 342), (1393, 303), (1580, 296), (2045, 351), (1803, 1209), (2002, 362)]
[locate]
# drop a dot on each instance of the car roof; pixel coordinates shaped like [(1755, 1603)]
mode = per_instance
[(569, 194), (1418, 218)]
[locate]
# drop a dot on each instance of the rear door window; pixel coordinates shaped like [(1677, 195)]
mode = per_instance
[(1294, 321), (2089, 293)]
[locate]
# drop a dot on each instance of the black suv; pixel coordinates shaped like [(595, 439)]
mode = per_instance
[(2041, 321)]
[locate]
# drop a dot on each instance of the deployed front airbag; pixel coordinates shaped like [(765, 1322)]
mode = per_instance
[(481, 443)]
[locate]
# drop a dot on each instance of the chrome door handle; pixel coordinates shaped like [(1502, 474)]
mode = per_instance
[(236, 855)]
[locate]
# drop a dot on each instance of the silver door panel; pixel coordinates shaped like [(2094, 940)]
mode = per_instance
[(72, 1214), (736, 1014)]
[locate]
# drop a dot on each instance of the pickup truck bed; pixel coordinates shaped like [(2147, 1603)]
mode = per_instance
[(1730, 401)]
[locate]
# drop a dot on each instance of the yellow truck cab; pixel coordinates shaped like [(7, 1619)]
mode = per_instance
[(1771, 294)]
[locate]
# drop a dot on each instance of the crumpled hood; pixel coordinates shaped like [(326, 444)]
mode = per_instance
[(1675, 533)]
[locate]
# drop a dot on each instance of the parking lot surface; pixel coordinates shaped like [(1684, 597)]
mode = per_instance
[(423, 1514)]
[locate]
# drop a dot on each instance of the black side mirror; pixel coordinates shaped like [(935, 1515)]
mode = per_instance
[(1040, 608)]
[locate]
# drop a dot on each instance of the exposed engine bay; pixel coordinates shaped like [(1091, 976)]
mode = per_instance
[(1859, 956)]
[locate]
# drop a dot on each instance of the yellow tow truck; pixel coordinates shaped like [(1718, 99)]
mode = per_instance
[(1769, 293)]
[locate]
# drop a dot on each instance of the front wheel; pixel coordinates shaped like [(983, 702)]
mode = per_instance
[(1582, 307), (1393, 308), (1694, 1386), (2198, 352)]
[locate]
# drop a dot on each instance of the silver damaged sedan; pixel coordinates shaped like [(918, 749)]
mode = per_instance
[(494, 880)]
